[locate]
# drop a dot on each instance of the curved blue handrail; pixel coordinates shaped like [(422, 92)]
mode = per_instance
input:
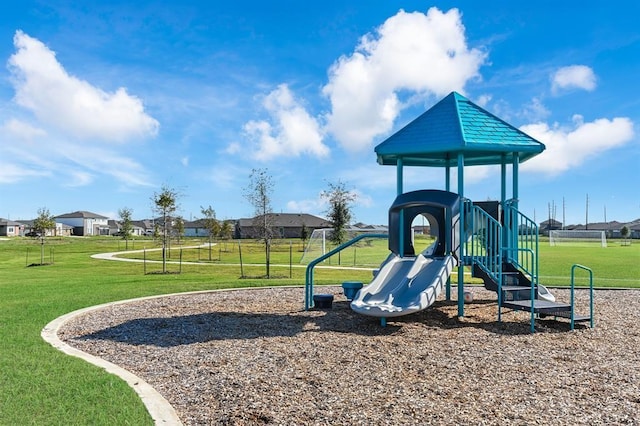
[(308, 285), (573, 268)]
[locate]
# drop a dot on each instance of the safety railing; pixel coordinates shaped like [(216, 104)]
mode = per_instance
[(483, 245), (573, 268), (308, 286), (532, 277), (521, 233)]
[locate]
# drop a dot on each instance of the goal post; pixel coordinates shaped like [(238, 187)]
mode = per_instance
[(320, 241), (577, 237)]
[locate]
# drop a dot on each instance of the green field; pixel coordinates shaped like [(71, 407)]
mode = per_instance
[(39, 385)]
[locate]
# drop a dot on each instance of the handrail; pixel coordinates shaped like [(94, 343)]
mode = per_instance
[(521, 231), (308, 285), (534, 283), (576, 265), (486, 241)]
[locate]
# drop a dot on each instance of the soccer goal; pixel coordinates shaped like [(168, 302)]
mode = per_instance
[(320, 241), (577, 237)]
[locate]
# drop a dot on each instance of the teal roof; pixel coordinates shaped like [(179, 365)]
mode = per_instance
[(454, 125)]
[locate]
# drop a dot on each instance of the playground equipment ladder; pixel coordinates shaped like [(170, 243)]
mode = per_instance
[(505, 258)]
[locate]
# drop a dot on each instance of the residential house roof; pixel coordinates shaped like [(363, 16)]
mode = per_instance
[(290, 219), (8, 222), (81, 214)]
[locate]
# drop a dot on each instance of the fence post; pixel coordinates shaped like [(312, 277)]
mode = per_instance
[(240, 253)]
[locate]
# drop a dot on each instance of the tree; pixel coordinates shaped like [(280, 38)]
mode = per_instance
[(624, 233), (304, 234), (258, 193), (210, 223), (226, 230), (178, 227), (126, 225), (165, 204), (41, 225), (339, 212)]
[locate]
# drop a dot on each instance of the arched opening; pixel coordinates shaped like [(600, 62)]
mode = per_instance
[(424, 232)]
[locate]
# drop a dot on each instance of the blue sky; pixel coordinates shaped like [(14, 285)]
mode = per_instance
[(102, 104)]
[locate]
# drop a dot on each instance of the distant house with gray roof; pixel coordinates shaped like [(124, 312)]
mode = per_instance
[(10, 228), (85, 223), (284, 225)]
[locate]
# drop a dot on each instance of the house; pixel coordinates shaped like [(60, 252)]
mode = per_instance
[(549, 225), (147, 226), (116, 226), (612, 229), (85, 223), (59, 230), (10, 228), (285, 225)]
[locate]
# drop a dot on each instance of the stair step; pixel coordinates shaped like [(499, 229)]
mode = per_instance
[(515, 287), (539, 306), (567, 314)]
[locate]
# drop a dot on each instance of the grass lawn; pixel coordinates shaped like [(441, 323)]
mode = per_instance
[(39, 385)]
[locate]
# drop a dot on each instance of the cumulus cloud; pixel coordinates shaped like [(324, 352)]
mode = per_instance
[(573, 77), (426, 54), (67, 127), (73, 106), (290, 132), (571, 146)]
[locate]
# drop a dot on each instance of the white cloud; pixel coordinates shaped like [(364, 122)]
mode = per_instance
[(24, 131), (535, 111), (573, 77), (426, 54), (290, 132), (233, 148), (571, 147), (316, 206), (11, 173), (79, 178), (483, 100), (73, 106)]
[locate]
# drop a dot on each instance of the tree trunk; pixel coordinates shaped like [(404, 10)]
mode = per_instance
[(268, 255)]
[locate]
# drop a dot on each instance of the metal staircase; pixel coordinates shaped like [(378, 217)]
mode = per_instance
[(501, 249)]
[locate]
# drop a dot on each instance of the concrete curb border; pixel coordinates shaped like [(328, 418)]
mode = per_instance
[(161, 411), (158, 407)]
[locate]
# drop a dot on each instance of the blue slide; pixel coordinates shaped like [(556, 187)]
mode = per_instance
[(404, 285)]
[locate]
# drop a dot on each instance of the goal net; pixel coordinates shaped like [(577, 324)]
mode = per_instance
[(320, 242), (575, 237)]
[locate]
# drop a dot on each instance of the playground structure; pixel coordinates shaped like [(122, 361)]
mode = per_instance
[(493, 239)]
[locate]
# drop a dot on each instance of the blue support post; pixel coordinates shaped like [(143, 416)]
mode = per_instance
[(463, 237), (516, 161), (447, 179), (399, 189), (503, 199)]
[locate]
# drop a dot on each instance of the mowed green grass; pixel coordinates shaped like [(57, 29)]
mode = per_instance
[(40, 385), (613, 266)]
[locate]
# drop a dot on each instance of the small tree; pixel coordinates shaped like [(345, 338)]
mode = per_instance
[(339, 212), (178, 227), (226, 230), (165, 203), (211, 224), (126, 225), (258, 193), (624, 233), (41, 225), (304, 234)]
